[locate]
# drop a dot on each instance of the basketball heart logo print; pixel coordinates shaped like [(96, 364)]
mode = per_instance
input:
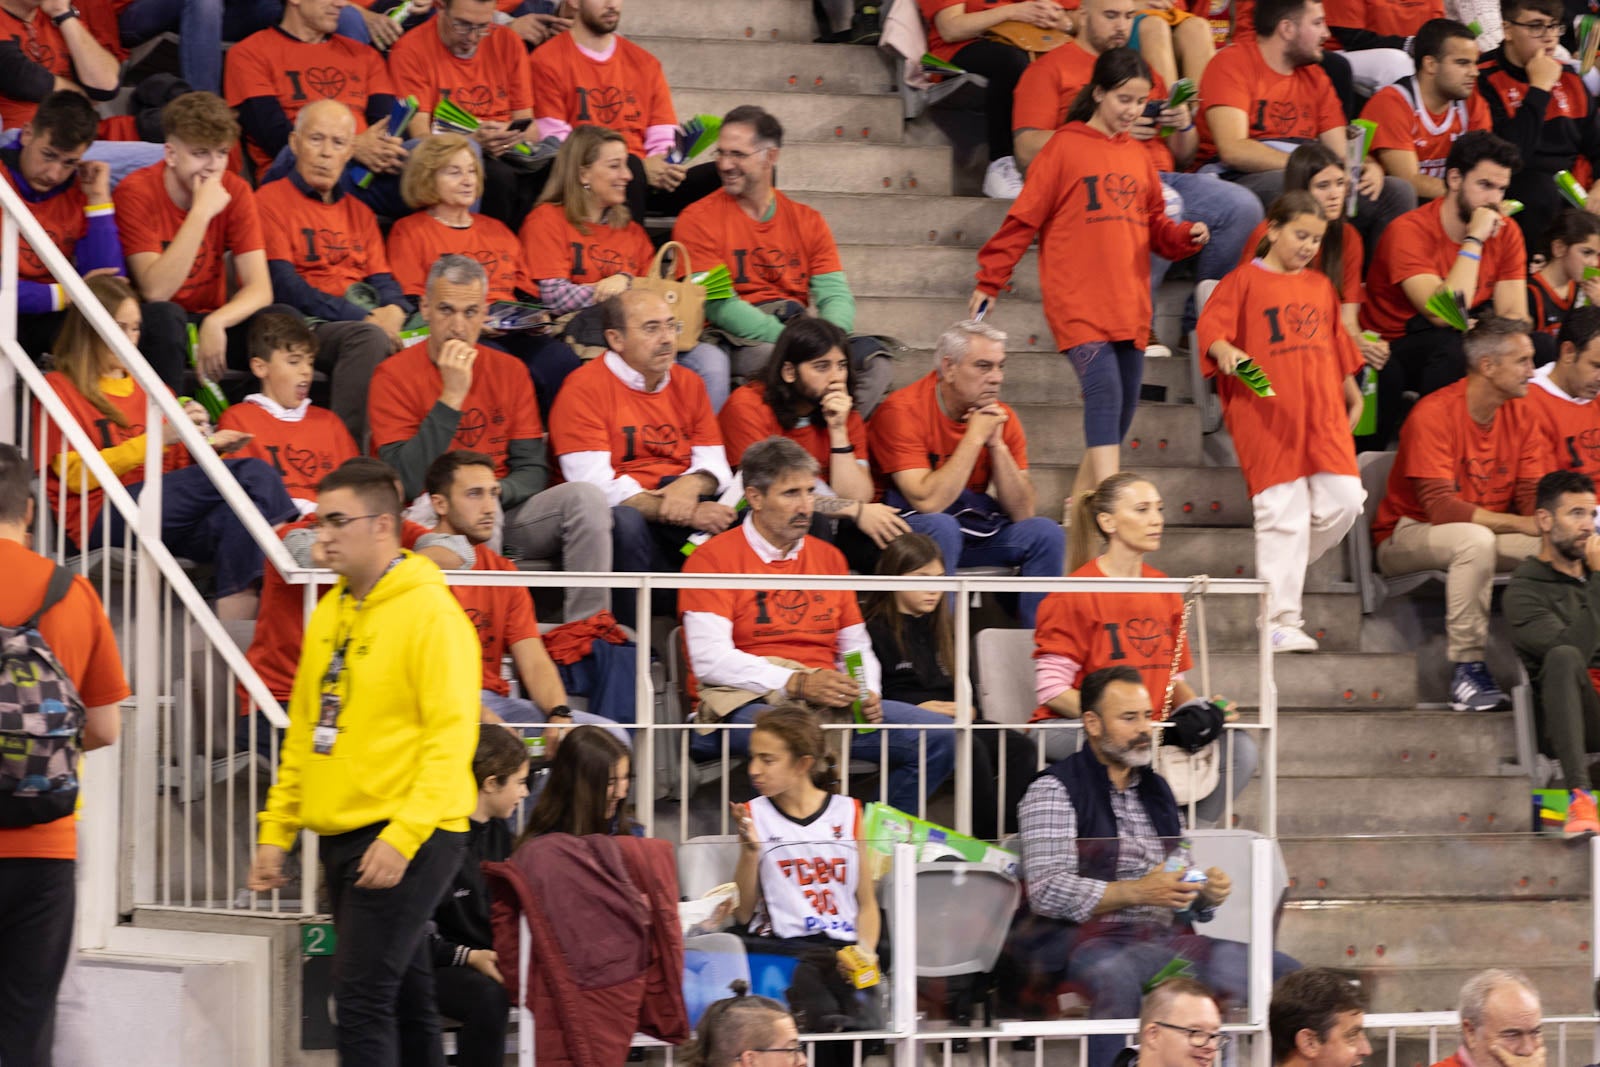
[(1145, 635), (327, 82), (1584, 449), (789, 605), (469, 431), (1303, 319)]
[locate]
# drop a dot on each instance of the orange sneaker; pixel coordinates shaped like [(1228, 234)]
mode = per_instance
[(1582, 818)]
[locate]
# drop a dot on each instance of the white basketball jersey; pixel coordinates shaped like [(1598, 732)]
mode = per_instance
[(809, 871)]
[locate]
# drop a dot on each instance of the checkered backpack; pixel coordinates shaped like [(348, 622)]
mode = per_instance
[(41, 721)]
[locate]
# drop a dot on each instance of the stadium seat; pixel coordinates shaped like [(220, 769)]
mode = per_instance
[(1005, 675), (1230, 850), (705, 863)]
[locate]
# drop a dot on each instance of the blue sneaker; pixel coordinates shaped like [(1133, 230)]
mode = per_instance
[(1472, 689)]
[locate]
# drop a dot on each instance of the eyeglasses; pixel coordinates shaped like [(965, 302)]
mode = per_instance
[(470, 29), (1539, 29), (1200, 1038), (794, 1052), (736, 156), (337, 521)]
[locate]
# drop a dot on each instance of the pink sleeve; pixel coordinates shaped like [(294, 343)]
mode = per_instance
[(659, 139), (1053, 675)]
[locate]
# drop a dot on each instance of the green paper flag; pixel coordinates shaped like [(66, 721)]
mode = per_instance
[(1250, 373), (717, 282), (1449, 306)]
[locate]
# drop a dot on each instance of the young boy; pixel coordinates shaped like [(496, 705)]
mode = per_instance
[(302, 442)]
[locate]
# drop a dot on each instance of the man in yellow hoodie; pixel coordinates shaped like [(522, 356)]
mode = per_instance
[(383, 720)]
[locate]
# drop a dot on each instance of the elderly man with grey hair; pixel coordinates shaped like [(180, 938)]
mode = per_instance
[(1501, 1022), (752, 649), (956, 459), (452, 392)]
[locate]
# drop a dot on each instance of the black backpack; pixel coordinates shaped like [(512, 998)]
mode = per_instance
[(41, 721)]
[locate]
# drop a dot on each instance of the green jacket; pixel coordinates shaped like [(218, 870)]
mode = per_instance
[(1547, 608)]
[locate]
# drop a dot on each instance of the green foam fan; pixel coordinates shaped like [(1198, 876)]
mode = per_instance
[(1250, 373), (460, 121), (717, 282), (1572, 189), (694, 137), (1450, 306), (934, 65)]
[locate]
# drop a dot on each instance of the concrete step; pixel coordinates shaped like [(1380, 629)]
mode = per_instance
[(1047, 378), (861, 168), (1162, 435), (1334, 619), (929, 270), (767, 66), (1411, 744), (825, 117), (1563, 990), (917, 321), (1396, 936), (1474, 867), (956, 221), (1336, 807), (1231, 553), (748, 20), (1194, 496), (1321, 680)]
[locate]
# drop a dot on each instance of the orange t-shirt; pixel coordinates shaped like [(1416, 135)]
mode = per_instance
[(296, 73), (649, 435), (489, 86), (746, 418), (938, 45), (1390, 18), (502, 614), (1546, 307), (1349, 262), (626, 92), (1096, 630), (499, 408), (419, 239), (1415, 243), (802, 625), (332, 246), (1439, 440), (1052, 82), (554, 248), (63, 218), (79, 633), (301, 452), (40, 41), (771, 260), (910, 431), (1571, 429), (1098, 209), (148, 220), (105, 434), (1298, 106), (1406, 125), (1290, 326)]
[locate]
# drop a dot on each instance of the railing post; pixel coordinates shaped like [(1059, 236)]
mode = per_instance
[(964, 716), (644, 745), (903, 1014), (8, 323), (1261, 907), (1267, 686)]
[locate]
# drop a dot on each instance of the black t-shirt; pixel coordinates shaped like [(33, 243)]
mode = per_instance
[(911, 674)]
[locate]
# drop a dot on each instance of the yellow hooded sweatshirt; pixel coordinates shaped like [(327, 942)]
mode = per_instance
[(409, 722)]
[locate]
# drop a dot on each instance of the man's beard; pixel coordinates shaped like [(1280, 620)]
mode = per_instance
[(1129, 755), (1570, 548)]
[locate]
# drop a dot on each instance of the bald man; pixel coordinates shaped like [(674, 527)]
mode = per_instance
[(327, 260)]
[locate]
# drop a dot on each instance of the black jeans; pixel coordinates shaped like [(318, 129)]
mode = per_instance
[(482, 1007), (1003, 65), (165, 343), (643, 200), (37, 898), (382, 973)]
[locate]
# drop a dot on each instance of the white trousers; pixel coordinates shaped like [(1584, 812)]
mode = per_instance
[(1296, 522)]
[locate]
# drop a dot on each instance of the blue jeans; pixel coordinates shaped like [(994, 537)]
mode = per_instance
[(1228, 210), (1037, 547), (203, 25), (712, 365), (904, 750), (521, 710), (1109, 373), (1112, 964)]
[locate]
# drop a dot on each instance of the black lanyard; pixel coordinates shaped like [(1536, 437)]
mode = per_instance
[(327, 729)]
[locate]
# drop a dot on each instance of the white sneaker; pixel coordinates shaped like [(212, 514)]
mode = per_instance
[(1157, 351), (1292, 639), (1002, 181)]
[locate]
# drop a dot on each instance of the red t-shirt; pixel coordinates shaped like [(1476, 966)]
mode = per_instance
[(1349, 261), (296, 73), (148, 220), (332, 246), (1298, 106), (1390, 18), (64, 216), (489, 86), (771, 260), (1439, 440), (746, 418), (41, 41), (503, 615), (626, 92), (419, 239), (1571, 430), (938, 45), (499, 408), (1290, 326), (302, 453), (1406, 125), (1546, 307), (1052, 82), (79, 634), (649, 436), (1096, 630), (794, 624), (1415, 243), (909, 431), (554, 248)]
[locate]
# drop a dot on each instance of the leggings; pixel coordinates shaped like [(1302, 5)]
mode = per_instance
[(1109, 373), (1003, 65)]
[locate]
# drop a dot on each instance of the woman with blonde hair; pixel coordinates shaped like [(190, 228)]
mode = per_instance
[(110, 407), (582, 246)]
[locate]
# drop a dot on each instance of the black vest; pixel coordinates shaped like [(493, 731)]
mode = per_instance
[(1089, 788)]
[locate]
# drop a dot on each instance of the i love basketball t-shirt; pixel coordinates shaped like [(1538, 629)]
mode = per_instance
[(555, 248), (650, 436)]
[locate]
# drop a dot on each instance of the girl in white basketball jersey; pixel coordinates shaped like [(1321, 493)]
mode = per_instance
[(800, 872)]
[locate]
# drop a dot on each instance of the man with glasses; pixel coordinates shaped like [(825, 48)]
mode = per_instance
[(383, 722), (1501, 1022), (1317, 1018), (1543, 108), (780, 253), (1179, 1026)]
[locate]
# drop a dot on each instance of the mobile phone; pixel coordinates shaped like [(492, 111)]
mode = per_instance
[(1153, 108), (520, 124), (983, 309)]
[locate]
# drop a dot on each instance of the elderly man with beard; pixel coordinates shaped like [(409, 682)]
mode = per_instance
[(1553, 606), (1112, 897)]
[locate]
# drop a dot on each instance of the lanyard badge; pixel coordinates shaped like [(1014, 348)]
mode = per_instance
[(327, 728)]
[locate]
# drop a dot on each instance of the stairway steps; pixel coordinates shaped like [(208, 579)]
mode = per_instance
[(917, 321), (958, 221), (1194, 496), (1223, 552), (1387, 935), (1327, 807), (751, 65), (1047, 377), (832, 118), (1445, 869), (1162, 435), (788, 21)]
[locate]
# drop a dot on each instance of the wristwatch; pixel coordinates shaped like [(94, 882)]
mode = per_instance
[(70, 13)]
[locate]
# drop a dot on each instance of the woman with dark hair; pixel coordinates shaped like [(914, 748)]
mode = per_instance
[(744, 1031), (913, 636), (587, 789), (1094, 199), (1572, 246), (468, 985)]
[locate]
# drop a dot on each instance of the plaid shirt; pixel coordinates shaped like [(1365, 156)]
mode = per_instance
[(1049, 830)]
